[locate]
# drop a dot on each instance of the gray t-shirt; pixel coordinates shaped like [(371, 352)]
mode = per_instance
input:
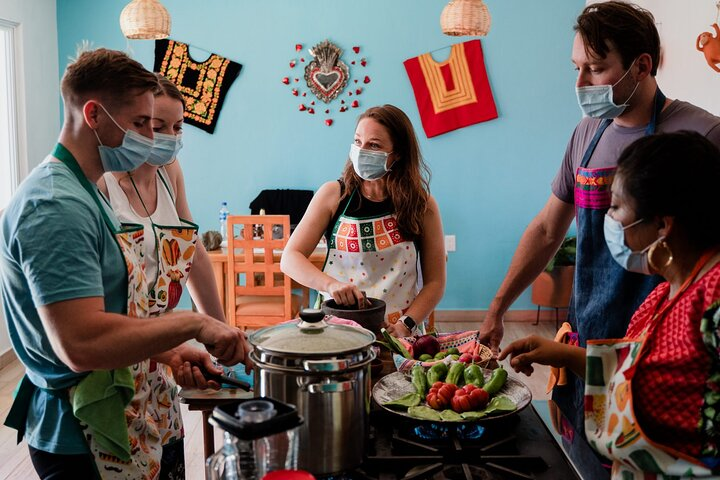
[(678, 115)]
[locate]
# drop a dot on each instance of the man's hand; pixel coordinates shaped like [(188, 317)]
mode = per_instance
[(227, 344), (187, 364), (491, 332)]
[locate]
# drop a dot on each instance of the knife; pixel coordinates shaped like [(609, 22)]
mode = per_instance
[(227, 380)]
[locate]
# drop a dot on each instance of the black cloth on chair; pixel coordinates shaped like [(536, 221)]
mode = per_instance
[(282, 202)]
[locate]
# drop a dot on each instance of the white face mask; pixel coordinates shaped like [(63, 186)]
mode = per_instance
[(133, 152), (637, 262), (596, 101), (165, 149), (368, 164)]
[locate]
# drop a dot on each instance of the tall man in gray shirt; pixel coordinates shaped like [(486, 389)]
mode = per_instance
[(616, 52)]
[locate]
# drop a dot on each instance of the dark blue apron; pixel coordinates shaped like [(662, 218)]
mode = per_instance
[(605, 295)]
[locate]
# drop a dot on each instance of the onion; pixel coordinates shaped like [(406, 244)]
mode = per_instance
[(426, 344)]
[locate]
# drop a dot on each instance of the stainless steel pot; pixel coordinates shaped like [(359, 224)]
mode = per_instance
[(324, 370)]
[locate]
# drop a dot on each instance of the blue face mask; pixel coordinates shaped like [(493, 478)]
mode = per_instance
[(165, 149), (596, 101), (615, 238), (369, 165), (133, 152)]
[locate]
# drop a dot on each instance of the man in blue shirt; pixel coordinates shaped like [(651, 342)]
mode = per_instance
[(64, 278)]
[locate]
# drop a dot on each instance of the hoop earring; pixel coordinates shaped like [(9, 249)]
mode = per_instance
[(653, 249)]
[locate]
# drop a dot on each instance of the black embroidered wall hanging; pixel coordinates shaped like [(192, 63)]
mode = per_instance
[(204, 85)]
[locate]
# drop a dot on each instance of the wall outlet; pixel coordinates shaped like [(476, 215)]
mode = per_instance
[(449, 243)]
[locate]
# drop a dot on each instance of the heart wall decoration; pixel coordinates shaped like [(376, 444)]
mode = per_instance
[(326, 75)]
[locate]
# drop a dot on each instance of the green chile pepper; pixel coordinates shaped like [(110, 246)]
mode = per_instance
[(473, 375), (455, 373), (497, 380), (419, 380), (425, 357), (436, 373), (453, 351), (440, 355)]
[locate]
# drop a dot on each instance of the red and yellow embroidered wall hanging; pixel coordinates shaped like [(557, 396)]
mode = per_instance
[(452, 94), (204, 85)]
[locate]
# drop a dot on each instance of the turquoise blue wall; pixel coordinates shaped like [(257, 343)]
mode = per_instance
[(489, 179)]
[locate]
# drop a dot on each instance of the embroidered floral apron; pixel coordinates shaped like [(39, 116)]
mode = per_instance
[(145, 445), (371, 253), (600, 282), (610, 423), (174, 250)]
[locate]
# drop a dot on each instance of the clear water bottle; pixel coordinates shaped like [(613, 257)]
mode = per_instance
[(225, 464), (223, 220)]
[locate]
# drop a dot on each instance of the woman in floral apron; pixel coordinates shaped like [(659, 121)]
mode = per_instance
[(652, 397), (154, 196), (382, 226)]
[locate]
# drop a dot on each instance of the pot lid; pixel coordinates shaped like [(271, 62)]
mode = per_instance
[(311, 335)]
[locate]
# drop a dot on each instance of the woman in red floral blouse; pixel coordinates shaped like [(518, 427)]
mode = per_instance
[(652, 399)]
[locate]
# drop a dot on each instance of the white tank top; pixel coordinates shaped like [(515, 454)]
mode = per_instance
[(165, 214)]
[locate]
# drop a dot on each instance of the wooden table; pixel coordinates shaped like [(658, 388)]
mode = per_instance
[(219, 261)]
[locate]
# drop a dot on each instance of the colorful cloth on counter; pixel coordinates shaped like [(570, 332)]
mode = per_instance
[(204, 85), (465, 342), (651, 398), (452, 94)]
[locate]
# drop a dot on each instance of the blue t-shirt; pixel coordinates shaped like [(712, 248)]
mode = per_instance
[(54, 246)]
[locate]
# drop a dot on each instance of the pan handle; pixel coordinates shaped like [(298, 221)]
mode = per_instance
[(326, 365), (331, 387)]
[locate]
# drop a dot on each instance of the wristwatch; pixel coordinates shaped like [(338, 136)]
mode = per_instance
[(408, 322)]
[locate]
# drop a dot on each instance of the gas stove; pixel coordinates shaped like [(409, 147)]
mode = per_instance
[(519, 447)]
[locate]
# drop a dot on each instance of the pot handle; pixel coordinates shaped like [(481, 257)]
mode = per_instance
[(325, 365), (331, 387)]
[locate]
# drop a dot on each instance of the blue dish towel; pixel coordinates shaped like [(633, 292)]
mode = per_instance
[(99, 400)]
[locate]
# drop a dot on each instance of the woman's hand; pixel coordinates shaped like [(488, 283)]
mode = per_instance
[(398, 329), (345, 293), (535, 349)]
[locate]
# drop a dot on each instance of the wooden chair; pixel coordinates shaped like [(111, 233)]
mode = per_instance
[(258, 293)]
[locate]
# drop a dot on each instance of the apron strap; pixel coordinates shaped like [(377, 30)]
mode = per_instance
[(17, 416), (658, 104)]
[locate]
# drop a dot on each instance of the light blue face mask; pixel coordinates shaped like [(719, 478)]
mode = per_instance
[(133, 152), (596, 101), (615, 238), (369, 165), (165, 149)]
